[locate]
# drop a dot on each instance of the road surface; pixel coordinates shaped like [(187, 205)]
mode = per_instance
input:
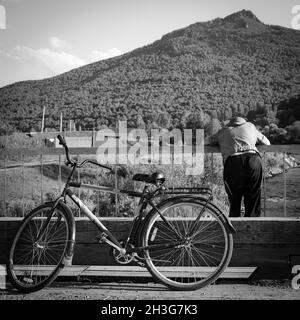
[(263, 290)]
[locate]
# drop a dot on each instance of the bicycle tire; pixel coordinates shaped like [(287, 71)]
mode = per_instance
[(186, 267), (38, 267)]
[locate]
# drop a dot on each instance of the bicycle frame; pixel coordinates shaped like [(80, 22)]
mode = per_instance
[(107, 236), (145, 199)]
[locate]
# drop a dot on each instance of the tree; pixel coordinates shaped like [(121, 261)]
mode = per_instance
[(213, 127), (6, 129), (136, 122), (164, 120), (197, 121), (295, 130)]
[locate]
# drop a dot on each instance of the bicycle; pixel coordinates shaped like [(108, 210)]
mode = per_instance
[(185, 241)]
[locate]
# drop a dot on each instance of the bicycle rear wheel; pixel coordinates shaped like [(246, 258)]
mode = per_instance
[(33, 264), (195, 253)]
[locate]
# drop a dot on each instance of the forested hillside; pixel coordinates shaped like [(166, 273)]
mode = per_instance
[(236, 65)]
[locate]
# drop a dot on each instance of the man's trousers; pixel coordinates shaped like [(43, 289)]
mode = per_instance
[(242, 178)]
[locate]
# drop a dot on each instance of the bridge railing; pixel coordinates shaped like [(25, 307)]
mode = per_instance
[(19, 161), (282, 153)]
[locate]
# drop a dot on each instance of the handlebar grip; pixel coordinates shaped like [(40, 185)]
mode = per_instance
[(105, 167), (61, 140), (75, 184)]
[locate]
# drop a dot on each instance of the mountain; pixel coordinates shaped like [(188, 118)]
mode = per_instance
[(217, 68)]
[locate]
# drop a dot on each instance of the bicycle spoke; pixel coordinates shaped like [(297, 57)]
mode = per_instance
[(36, 257), (203, 252)]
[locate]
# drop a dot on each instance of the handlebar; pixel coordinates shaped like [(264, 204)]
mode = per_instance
[(62, 142), (93, 162), (73, 163)]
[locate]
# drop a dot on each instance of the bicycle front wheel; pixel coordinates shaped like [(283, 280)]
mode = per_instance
[(188, 245), (34, 260)]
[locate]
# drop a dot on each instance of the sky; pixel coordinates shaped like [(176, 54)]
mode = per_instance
[(44, 38)]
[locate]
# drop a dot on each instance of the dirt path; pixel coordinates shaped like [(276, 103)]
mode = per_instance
[(150, 291)]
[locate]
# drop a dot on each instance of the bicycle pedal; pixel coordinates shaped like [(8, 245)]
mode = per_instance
[(138, 261)]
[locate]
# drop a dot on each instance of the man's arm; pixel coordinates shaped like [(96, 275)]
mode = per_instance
[(262, 139), (211, 140)]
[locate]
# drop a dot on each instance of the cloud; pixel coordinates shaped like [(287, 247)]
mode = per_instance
[(8, 55), (59, 61), (55, 62), (48, 62), (12, 1), (57, 43), (102, 55)]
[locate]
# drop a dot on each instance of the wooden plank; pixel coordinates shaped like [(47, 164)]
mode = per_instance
[(267, 230), (256, 231), (136, 271), (264, 257), (265, 243), (262, 230), (93, 150), (262, 148), (272, 261)]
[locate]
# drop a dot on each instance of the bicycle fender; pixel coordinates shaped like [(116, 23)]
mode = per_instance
[(67, 261), (228, 225), (230, 228), (161, 204)]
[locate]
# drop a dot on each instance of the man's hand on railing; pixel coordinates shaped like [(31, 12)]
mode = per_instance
[(211, 140)]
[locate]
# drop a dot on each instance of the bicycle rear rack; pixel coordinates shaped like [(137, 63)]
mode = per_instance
[(189, 191)]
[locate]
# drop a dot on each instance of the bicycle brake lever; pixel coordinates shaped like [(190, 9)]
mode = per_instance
[(67, 162), (164, 188)]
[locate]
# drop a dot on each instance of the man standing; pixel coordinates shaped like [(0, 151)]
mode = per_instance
[(242, 165)]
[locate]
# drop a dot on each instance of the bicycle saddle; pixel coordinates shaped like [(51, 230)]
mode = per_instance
[(154, 178)]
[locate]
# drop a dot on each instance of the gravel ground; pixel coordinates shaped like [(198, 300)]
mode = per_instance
[(262, 290)]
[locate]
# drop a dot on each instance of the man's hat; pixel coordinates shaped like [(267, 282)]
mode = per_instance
[(236, 121)]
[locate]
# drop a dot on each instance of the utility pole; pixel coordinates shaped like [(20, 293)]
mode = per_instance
[(61, 123), (43, 119)]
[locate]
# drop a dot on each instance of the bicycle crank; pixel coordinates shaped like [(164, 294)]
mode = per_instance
[(126, 258), (122, 258)]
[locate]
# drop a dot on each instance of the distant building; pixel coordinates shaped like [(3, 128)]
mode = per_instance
[(76, 142)]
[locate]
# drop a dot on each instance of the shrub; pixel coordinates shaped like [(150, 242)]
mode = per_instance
[(21, 140), (19, 208)]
